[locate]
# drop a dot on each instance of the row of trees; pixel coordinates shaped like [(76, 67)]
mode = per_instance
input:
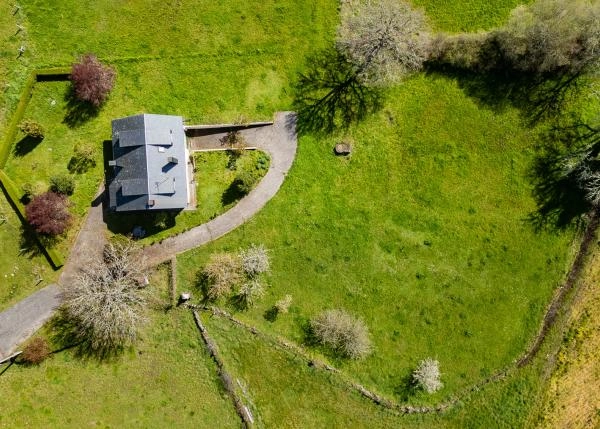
[(382, 41), (387, 39)]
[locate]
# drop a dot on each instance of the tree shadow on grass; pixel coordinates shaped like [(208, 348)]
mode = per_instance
[(65, 334), (536, 96), (232, 194), (406, 387), (561, 201), (31, 243), (329, 96), (26, 145), (78, 112)]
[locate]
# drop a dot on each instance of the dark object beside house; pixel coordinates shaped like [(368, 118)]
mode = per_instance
[(342, 149), (148, 170)]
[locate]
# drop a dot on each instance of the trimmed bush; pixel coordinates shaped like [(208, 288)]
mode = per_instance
[(345, 335), (36, 351), (83, 159), (62, 184), (427, 375), (254, 260), (32, 129), (48, 213), (245, 180)]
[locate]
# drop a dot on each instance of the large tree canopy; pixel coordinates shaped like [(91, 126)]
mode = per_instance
[(385, 39)]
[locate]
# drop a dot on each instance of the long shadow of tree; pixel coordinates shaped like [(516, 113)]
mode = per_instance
[(555, 174), (330, 96), (78, 112), (65, 335), (496, 82)]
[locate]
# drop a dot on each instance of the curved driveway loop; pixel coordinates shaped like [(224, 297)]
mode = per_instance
[(279, 140)]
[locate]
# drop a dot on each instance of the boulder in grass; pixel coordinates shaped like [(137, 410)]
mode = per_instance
[(343, 149)]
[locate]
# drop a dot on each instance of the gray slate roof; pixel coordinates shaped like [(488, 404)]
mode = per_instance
[(151, 163)]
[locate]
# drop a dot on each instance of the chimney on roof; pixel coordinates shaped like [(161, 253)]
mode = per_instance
[(173, 160), (112, 163), (151, 203)]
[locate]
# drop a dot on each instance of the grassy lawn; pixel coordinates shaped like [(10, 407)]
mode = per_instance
[(423, 233), (283, 391), (18, 263), (216, 192), (167, 381), (179, 28), (467, 15), (33, 163), (13, 70)]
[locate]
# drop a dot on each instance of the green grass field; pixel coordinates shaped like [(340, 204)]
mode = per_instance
[(423, 232), (18, 261), (168, 380)]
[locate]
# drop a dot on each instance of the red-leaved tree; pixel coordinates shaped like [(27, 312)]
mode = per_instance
[(92, 80), (48, 213)]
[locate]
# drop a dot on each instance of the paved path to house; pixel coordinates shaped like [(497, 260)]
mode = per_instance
[(24, 318), (280, 142), (20, 321)]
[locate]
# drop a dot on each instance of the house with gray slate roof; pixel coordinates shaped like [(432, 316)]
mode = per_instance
[(148, 170)]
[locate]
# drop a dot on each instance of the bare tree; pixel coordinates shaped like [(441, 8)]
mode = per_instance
[(385, 39), (343, 333), (427, 375), (105, 302)]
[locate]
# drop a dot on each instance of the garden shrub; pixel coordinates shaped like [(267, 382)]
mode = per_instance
[(427, 375), (221, 274), (48, 213), (62, 184), (341, 332), (82, 159), (36, 351), (92, 81), (246, 180), (32, 129), (283, 305), (249, 293), (254, 260)]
